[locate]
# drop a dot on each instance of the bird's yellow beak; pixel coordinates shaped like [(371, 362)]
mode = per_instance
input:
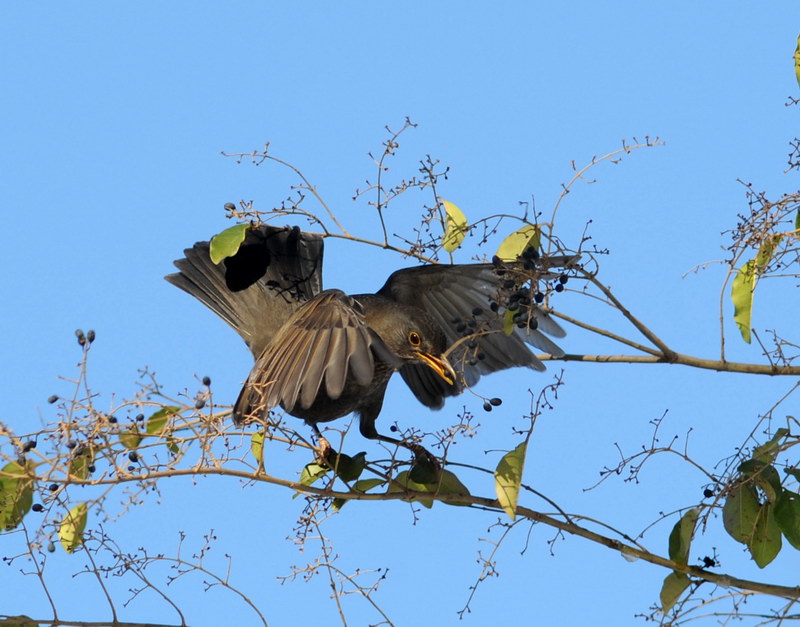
[(440, 366)]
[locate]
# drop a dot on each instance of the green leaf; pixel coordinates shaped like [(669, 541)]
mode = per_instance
[(681, 537), (79, 464), (226, 244), (529, 236), (787, 516), (362, 486), (740, 512), (130, 438), (157, 423), (365, 485), (766, 250), (455, 226), (508, 477), (18, 621), (350, 468), (257, 446), (764, 475), (450, 484), (16, 495), (70, 532), (797, 222), (742, 296), (797, 75), (672, 589), (769, 450), (424, 471), (312, 472), (766, 541), (403, 482), (794, 471)]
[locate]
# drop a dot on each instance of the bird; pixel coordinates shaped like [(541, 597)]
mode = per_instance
[(323, 354)]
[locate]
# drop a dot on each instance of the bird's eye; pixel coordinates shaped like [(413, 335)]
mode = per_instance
[(414, 339)]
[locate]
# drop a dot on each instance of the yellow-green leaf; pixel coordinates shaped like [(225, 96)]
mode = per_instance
[(404, 482), (769, 450), (130, 438), (16, 495), (681, 537), (508, 477), (70, 532), (766, 251), (742, 296), (365, 485), (312, 472), (79, 464), (797, 62), (157, 423), (450, 484), (508, 322), (529, 236), (257, 446), (740, 512), (766, 541), (787, 516), (455, 226), (672, 589), (226, 244)]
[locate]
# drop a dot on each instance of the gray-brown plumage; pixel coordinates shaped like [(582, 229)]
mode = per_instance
[(323, 354)]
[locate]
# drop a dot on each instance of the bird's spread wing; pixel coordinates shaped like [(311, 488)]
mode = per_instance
[(459, 298), (326, 339), (256, 290)]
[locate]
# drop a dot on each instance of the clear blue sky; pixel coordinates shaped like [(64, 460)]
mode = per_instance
[(113, 119)]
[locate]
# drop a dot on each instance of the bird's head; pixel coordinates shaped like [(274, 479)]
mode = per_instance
[(414, 336)]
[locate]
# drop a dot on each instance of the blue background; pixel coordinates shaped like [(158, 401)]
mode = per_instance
[(114, 116)]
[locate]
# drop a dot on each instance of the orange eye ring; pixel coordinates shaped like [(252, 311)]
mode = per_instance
[(414, 339)]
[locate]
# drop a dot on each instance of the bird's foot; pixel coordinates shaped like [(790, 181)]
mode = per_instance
[(323, 450), (426, 467)]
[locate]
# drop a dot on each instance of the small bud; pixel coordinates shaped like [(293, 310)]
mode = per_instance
[(51, 548)]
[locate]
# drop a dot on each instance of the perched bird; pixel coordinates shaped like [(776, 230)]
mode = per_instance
[(321, 355)]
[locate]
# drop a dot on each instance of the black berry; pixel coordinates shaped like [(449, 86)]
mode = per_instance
[(560, 287), (206, 381), (52, 399), (487, 406), (90, 335), (496, 401), (37, 507), (708, 493), (133, 456)]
